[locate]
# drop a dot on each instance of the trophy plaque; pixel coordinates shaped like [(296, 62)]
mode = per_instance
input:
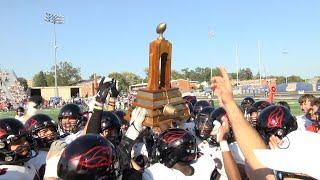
[(162, 102)]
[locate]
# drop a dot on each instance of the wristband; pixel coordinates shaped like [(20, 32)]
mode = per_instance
[(224, 146), (98, 107), (98, 103)]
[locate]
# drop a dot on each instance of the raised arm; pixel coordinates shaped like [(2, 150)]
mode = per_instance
[(230, 165), (247, 137)]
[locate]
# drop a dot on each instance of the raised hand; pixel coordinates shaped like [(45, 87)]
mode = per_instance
[(221, 87), (103, 90), (114, 90), (137, 117), (224, 129), (274, 142)]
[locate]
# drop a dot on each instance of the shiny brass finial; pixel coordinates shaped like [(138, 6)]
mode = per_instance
[(160, 30)]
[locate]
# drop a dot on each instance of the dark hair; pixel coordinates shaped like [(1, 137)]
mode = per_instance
[(306, 97), (285, 104)]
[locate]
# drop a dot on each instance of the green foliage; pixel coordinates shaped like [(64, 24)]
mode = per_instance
[(294, 78), (281, 79), (39, 80), (125, 79), (199, 74), (233, 75), (23, 82), (66, 73), (91, 77), (245, 74), (176, 75), (50, 79)]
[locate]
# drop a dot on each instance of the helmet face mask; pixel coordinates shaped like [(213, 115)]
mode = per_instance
[(204, 123), (70, 118), (16, 144), (204, 126), (89, 157), (199, 106), (247, 103), (173, 146), (48, 134), (69, 124), (43, 129), (275, 120), (110, 127)]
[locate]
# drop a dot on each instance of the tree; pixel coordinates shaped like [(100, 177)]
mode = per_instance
[(92, 76), (245, 74), (233, 75), (39, 80), (176, 75), (23, 82), (146, 71), (50, 79), (257, 76), (66, 74), (125, 79), (294, 78), (280, 79)]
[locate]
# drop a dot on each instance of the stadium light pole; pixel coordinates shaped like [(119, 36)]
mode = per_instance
[(211, 34), (259, 59), (285, 53), (54, 19), (237, 62)]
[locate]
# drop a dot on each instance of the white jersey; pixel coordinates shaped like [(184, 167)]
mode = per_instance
[(52, 163), (203, 168), (236, 153), (71, 137), (138, 149), (14, 172), (52, 167), (190, 127), (160, 171), (216, 154), (20, 118), (303, 122), (39, 161)]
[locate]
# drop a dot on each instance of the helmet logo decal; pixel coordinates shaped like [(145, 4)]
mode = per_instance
[(3, 132), (275, 118), (264, 104), (31, 123), (172, 136), (96, 157), (3, 171)]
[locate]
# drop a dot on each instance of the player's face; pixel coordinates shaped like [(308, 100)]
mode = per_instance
[(313, 113), (254, 116), (20, 146), (110, 134), (68, 123), (305, 106), (20, 113), (205, 128), (47, 133)]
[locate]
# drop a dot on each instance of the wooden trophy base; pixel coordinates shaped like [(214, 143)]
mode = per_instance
[(155, 101)]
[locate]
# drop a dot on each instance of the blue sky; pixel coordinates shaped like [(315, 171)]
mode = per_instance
[(107, 36)]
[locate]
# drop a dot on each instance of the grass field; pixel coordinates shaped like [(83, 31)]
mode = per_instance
[(53, 113)]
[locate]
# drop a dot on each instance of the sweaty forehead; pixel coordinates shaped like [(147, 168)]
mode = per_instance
[(69, 118)]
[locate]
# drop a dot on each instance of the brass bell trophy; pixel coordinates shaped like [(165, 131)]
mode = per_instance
[(162, 102)]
